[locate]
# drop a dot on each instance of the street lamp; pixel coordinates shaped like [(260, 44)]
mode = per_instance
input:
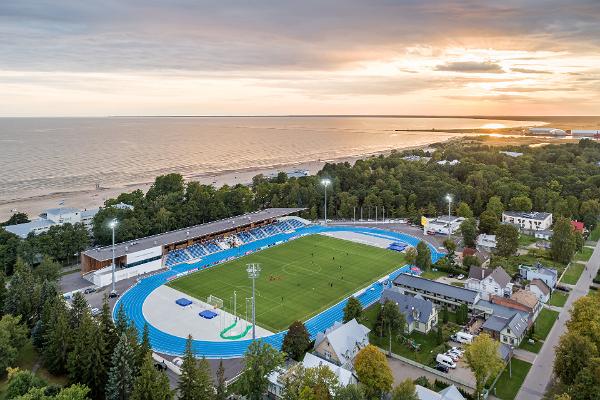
[(113, 225), (325, 182), (253, 273), (449, 200)]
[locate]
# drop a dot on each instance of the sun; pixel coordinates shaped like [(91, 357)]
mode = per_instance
[(493, 126)]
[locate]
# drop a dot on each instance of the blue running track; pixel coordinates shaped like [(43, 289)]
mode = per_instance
[(162, 342)]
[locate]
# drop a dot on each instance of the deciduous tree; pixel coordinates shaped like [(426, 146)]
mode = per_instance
[(563, 242), (296, 341), (423, 259), (259, 361), (483, 359), (352, 310), (507, 240), (373, 371)]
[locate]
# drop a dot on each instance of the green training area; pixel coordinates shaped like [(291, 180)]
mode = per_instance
[(298, 280)]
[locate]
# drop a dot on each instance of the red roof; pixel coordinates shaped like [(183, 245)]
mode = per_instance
[(467, 251), (577, 225)]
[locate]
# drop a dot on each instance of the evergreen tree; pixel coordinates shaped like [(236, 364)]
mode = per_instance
[(296, 341), (57, 337), (121, 322), (19, 298), (195, 380), (2, 292), (48, 270), (445, 315), (120, 376), (352, 310), (108, 331), (259, 361), (439, 335), (151, 384), (144, 347), (221, 391), (79, 307)]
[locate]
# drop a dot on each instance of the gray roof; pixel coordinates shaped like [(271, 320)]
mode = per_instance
[(500, 310), (181, 235), (540, 269), (89, 213), (442, 289), (501, 277), (479, 273), (345, 339), (22, 230), (407, 304), (536, 215), (516, 323), (544, 288), (61, 210)]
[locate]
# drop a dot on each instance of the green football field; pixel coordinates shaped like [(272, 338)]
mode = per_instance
[(298, 279)]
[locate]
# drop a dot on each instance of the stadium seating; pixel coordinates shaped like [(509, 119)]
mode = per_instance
[(211, 247), (294, 223), (196, 251), (176, 257), (271, 230), (245, 237), (258, 233)]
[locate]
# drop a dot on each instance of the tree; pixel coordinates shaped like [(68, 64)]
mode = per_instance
[(221, 390), (259, 361), (144, 347), (406, 390), (57, 338), (445, 314), (373, 371), (352, 310), (563, 242), (488, 222), (573, 354), (463, 210), (350, 392), (392, 321), (471, 261), (411, 256), (440, 335), (482, 358), (507, 240), (521, 203), (120, 376), (495, 206), (296, 341), (19, 299), (48, 270), (15, 219), (13, 336), (450, 245), (585, 318), (20, 382), (468, 229), (121, 322), (423, 259), (151, 384), (311, 383), (195, 381)]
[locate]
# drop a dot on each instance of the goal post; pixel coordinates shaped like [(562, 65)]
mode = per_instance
[(215, 301)]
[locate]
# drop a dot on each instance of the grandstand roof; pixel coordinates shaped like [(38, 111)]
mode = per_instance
[(192, 232)]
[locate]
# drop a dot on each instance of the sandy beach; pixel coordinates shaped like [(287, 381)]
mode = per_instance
[(92, 198)]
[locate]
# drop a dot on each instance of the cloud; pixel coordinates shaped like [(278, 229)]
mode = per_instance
[(471, 67), (530, 71)]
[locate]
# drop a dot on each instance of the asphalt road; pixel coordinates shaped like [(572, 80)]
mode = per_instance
[(540, 374)]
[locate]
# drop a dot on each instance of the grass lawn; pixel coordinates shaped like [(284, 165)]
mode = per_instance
[(534, 348), (433, 275), (573, 273), (298, 279), (595, 234), (558, 298), (507, 387), (26, 360), (526, 240), (584, 254), (544, 323)]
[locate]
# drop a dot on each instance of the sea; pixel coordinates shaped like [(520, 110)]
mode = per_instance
[(40, 156)]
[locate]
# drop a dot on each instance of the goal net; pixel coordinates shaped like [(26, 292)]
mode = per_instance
[(214, 301)]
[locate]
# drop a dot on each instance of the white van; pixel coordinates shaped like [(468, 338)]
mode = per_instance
[(445, 360), (463, 337)]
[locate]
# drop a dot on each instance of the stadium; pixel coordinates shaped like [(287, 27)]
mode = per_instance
[(202, 286)]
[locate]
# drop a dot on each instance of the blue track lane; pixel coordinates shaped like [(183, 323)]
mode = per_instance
[(162, 342)]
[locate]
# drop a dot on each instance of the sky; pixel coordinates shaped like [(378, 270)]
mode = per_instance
[(193, 57)]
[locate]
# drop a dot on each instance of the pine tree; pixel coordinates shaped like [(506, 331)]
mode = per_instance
[(195, 381), (57, 338), (151, 384), (79, 307), (121, 322), (445, 315), (221, 389), (2, 292), (120, 376), (353, 309), (144, 347), (19, 297), (440, 335), (296, 341)]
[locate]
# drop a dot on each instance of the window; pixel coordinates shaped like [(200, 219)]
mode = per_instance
[(508, 330)]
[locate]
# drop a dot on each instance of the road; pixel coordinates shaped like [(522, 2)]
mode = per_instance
[(540, 374)]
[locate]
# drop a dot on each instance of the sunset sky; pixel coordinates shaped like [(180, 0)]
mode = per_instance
[(181, 57)]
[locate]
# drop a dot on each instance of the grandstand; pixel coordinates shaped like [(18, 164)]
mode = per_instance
[(184, 245)]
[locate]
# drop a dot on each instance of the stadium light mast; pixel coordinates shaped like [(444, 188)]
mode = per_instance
[(449, 200), (113, 225), (253, 273), (325, 182)]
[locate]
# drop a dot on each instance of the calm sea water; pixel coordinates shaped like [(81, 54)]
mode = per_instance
[(45, 155)]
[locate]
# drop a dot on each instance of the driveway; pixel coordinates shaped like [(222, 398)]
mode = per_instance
[(540, 374)]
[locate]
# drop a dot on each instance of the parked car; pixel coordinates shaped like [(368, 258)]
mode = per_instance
[(460, 277), (458, 351), (445, 360), (89, 290), (462, 337), (113, 295), (95, 311), (178, 361), (442, 368), (450, 275), (453, 356)]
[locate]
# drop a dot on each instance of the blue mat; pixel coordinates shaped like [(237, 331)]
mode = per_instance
[(183, 302), (208, 314)]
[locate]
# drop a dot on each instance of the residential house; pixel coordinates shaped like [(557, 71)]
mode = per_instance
[(445, 224), (420, 314), (545, 234), (340, 343), (529, 300), (578, 226), (513, 154), (436, 292), (449, 393), (528, 221), (489, 282), (541, 290), (486, 242), (416, 158), (505, 324), (53, 217), (448, 162), (548, 275)]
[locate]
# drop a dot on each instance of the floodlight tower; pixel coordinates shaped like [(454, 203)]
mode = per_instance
[(449, 200), (325, 182), (253, 271), (113, 225)]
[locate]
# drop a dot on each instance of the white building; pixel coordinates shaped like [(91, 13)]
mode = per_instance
[(486, 242), (547, 131), (513, 154), (548, 275), (449, 393), (541, 290), (448, 162), (416, 158), (419, 314), (52, 217), (531, 221), (544, 234), (445, 224), (340, 343), (489, 282), (585, 132)]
